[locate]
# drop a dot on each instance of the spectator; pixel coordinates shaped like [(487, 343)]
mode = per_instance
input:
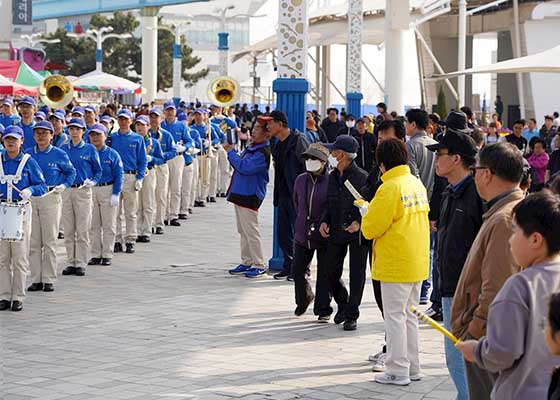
[(398, 211), (499, 107), (516, 138), (312, 133), (287, 153), (332, 125), (538, 161), (471, 118), (434, 130), (382, 111), (366, 142), (266, 111), (548, 132), (460, 218), (496, 120), (553, 162), (349, 125), (552, 338), (247, 192), (369, 120), (341, 225), (478, 136), (514, 346), (489, 263), (310, 200), (556, 119), (526, 177), (531, 131), (492, 136)]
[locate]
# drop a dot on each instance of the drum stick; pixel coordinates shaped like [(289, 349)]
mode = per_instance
[(423, 317), (15, 188)]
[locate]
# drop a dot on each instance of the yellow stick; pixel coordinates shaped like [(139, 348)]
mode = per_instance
[(423, 317)]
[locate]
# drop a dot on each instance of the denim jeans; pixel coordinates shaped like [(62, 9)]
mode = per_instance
[(427, 283), (435, 297), (453, 357)]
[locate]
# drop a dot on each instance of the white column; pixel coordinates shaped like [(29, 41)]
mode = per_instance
[(519, 76), (149, 52), (397, 21), (462, 46), (292, 39), (354, 47), (99, 53), (325, 73)]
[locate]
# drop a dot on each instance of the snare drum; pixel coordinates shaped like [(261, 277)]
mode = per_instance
[(11, 221)]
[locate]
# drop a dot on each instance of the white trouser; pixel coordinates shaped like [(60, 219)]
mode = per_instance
[(194, 185), (162, 186), (205, 168), (46, 212), (214, 171), (76, 218), (103, 223), (401, 327), (186, 188), (250, 237), (147, 204), (129, 206), (224, 171), (175, 179)]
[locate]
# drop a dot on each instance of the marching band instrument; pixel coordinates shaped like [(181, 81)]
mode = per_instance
[(223, 91), (56, 91), (423, 317), (11, 221)]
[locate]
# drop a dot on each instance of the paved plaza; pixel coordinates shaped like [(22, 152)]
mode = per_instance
[(169, 323)]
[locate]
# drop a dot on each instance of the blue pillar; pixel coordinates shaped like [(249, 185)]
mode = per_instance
[(223, 41), (291, 98), (98, 55), (353, 104)]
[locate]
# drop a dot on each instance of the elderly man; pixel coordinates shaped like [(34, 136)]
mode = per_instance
[(332, 125), (341, 225)]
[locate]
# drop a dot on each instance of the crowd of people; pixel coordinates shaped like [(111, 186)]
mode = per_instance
[(426, 202)]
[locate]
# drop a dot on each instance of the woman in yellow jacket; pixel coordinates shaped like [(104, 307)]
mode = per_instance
[(397, 221)]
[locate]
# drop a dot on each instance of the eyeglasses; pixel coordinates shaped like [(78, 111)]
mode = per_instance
[(474, 168)]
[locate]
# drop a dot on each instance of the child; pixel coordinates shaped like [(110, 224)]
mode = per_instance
[(492, 136), (514, 345), (552, 338), (539, 163)]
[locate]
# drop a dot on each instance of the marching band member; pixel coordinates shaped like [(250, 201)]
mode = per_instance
[(105, 198), (219, 127), (7, 117), (26, 108), (77, 201), (223, 164), (20, 178), (90, 117), (59, 174), (39, 116), (147, 195), (188, 178), (1, 132), (208, 138), (132, 150), (169, 151), (195, 150), (59, 137), (180, 134)]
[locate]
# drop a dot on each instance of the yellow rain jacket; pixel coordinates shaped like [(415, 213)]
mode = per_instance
[(397, 221)]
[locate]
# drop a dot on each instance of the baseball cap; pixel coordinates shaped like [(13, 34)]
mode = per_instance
[(106, 118), (58, 115), (124, 113), (279, 116), (456, 143), (28, 100), (168, 105), (44, 125), (7, 102), (142, 119), (41, 115), (345, 143), (318, 151), (156, 111), (61, 111), (199, 111), (182, 117), (98, 128), (78, 110), (77, 122), (13, 131), (1, 128), (90, 108)]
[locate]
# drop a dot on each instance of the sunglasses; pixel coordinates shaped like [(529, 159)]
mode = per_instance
[(474, 168)]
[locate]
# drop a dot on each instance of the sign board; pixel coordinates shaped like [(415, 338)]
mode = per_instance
[(21, 12)]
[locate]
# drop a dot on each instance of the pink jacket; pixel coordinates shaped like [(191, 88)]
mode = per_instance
[(539, 164)]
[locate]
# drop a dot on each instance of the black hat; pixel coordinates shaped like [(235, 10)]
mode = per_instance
[(317, 151), (345, 143), (457, 121), (456, 143), (279, 116)]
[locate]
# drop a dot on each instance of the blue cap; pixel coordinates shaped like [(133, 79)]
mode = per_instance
[(99, 128), (182, 117), (345, 143), (77, 122), (61, 110), (45, 109), (58, 115), (124, 113), (106, 118), (13, 131), (200, 111), (40, 114), (43, 125), (156, 111), (1, 128), (7, 102), (78, 110), (90, 108), (169, 104), (142, 119), (28, 100)]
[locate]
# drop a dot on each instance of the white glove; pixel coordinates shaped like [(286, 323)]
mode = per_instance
[(364, 210), (89, 183), (180, 148), (59, 188), (205, 143), (138, 185), (114, 200), (362, 206), (25, 194), (149, 158)]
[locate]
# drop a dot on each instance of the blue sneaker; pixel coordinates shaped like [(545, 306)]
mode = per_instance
[(255, 272), (240, 269)]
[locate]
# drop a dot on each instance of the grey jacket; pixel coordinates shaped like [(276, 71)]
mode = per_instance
[(514, 344), (421, 160)]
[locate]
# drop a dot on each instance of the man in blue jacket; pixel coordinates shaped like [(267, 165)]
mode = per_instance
[(247, 192), (27, 107), (8, 117)]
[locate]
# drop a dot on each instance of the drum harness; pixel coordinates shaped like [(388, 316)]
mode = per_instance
[(11, 180)]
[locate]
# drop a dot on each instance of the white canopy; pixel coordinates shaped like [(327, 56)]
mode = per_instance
[(94, 81), (546, 61)]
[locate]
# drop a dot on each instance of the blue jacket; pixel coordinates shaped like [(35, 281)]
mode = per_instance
[(250, 177), (55, 164), (166, 142), (60, 139), (28, 135), (85, 159), (112, 168), (9, 120), (132, 149), (155, 151), (221, 135), (176, 128), (195, 136), (31, 177), (201, 130)]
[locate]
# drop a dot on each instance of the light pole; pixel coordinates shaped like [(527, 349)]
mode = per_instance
[(32, 39), (99, 36), (223, 46), (177, 58)]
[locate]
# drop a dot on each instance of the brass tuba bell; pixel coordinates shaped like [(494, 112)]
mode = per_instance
[(56, 91), (223, 91)]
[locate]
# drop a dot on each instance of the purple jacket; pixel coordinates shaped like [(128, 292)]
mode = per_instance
[(304, 186)]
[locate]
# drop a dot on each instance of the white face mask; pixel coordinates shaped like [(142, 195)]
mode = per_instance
[(333, 162), (312, 165), (350, 124)]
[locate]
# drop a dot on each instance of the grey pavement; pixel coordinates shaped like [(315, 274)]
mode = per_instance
[(168, 322)]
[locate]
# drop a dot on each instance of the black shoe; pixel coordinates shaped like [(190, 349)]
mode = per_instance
[(17, 305), (117, 248), (80, 271), (49, 287), (281, 275), (423, 301), (300, 310), (105, 261), (174, 222), (159, 230), (183, 216), (5, 304), (339, 317), (35, 287), (130, 248), (199, 203), (212, 200), (60, 235), (208, 199), (143, 239), (323, 319), (190, 211), (435, 314), (350, 325), (69, 270), (94, 261), (223, 194), (166, 222), (290, 278)]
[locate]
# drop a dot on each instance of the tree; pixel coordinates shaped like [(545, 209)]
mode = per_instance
[(441, 107)]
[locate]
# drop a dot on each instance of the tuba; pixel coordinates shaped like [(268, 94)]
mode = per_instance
[(56, 91), (223, 91)]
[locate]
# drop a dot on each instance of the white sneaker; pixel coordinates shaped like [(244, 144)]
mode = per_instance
[(374, 357), (387, 379), (379, 363), (416, 377)]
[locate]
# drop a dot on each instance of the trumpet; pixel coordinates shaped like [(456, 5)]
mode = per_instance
[(56, 91), (223, 91)]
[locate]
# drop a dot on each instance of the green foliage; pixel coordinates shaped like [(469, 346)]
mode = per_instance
[(441, 107)]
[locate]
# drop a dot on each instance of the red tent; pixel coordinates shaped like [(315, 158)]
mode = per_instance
[(15, 89)]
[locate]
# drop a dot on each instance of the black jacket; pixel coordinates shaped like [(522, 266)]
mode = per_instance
[(332, 129), (554, 388), (459, 221), (341, 211), (366, 152), (373, 182)]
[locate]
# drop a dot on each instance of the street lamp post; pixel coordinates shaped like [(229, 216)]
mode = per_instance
[(177, 58), (32, 39), (223, 45)]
